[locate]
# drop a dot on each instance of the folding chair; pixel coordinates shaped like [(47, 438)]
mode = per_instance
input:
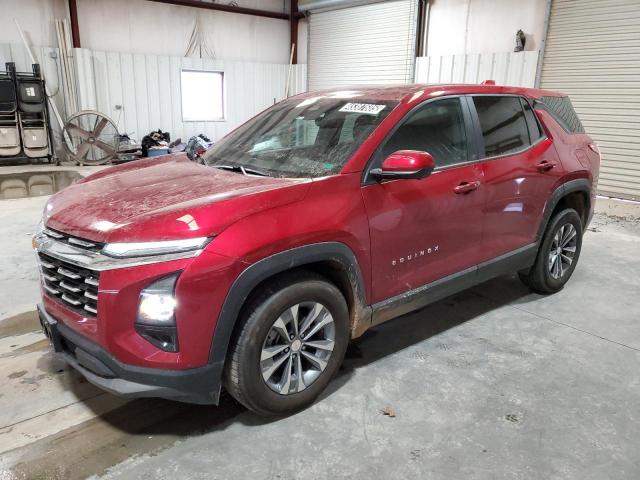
[(9, 131), (32, 114)]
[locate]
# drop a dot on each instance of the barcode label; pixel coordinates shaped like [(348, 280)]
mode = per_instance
[(368, 108)]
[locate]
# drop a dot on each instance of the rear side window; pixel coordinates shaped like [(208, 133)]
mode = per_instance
[(562, 111), (535, 132), (503, 125)]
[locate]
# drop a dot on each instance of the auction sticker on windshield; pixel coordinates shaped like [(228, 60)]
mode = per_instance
[(369, 108)]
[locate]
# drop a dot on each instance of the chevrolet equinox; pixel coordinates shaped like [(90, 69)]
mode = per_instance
[(323, 216)]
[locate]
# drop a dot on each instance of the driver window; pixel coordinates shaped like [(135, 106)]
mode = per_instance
[(437, 128)]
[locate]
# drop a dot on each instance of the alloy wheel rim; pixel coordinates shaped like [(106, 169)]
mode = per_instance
[(562, 251), (297, 348)]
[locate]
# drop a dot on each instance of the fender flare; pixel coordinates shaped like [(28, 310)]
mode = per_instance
[(578, 185), (273, 265)]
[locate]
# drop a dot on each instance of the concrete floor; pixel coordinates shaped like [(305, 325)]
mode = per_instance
[(495, 383)]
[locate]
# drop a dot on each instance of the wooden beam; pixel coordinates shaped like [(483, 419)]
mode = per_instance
[(226, 8), (293, 23), (75, 27)]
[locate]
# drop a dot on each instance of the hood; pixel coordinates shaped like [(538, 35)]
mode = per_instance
[(164, 199)]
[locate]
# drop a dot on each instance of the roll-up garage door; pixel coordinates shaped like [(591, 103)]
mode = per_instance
[(367, 44), (592, 53)]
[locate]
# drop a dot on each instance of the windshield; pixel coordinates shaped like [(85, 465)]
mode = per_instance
[(300, 138)]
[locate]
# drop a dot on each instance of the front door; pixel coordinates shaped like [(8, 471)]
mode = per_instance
[(427, 229)]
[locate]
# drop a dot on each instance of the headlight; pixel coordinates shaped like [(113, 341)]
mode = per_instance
[(156, 308), (156, 320), (143, 249)]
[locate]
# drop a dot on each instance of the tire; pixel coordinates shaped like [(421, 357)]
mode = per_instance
[(251, 374), (547, 275)]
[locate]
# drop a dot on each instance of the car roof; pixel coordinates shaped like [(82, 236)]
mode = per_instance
[(410, 92)]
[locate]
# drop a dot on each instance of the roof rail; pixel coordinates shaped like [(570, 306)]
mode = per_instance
[(488, 82)]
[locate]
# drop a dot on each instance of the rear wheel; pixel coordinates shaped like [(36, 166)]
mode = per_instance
[(558, 254), (292, 341)]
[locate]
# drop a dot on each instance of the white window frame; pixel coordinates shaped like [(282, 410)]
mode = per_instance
[(223, 95)]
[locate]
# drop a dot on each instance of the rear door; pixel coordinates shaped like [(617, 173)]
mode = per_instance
[(520, 167), (424, 230)]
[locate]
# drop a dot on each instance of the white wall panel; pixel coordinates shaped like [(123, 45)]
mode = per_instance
[(140, 26), (506, 68), (483, 26), (147, 87), (36, 18)]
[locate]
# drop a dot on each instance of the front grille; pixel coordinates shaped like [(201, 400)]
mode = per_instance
[(75, 241), (73, 286)]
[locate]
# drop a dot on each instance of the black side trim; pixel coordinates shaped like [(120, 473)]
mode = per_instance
[(280, 262), (578, 185), (422, 296), (519, 259)]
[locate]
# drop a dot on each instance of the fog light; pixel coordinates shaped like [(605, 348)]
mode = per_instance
[(156, 321)]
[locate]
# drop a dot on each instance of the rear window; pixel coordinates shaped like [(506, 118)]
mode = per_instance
[(562, 111), (503, 125)]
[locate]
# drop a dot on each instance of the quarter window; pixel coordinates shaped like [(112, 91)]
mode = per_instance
[(561, 109), (437, 128), (503, 125)]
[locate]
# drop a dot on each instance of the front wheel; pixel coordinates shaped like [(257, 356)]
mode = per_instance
[(292, 340), (558, 254)]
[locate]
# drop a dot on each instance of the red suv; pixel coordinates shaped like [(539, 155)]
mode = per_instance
[(321, 217)]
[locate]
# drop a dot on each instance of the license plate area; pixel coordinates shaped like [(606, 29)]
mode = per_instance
[(50, 330)]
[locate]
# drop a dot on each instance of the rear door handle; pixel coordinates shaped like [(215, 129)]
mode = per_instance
[(545, 166), (466, 187)]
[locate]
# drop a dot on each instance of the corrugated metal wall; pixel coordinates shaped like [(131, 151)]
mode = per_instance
[(592, 53), (148, 88), (367, 44), (508, 68)]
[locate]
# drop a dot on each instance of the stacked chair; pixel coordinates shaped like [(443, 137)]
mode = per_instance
[(10, 145), (24, 117)]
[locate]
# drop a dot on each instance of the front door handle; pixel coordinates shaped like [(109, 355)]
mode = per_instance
[(466, 187), (545, 166)]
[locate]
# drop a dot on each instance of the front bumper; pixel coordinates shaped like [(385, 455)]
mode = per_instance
[(198, 385)]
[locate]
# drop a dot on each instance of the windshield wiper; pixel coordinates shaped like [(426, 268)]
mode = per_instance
[(242, 169)]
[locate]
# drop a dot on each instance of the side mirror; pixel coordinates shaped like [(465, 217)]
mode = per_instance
[(405, 164)]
